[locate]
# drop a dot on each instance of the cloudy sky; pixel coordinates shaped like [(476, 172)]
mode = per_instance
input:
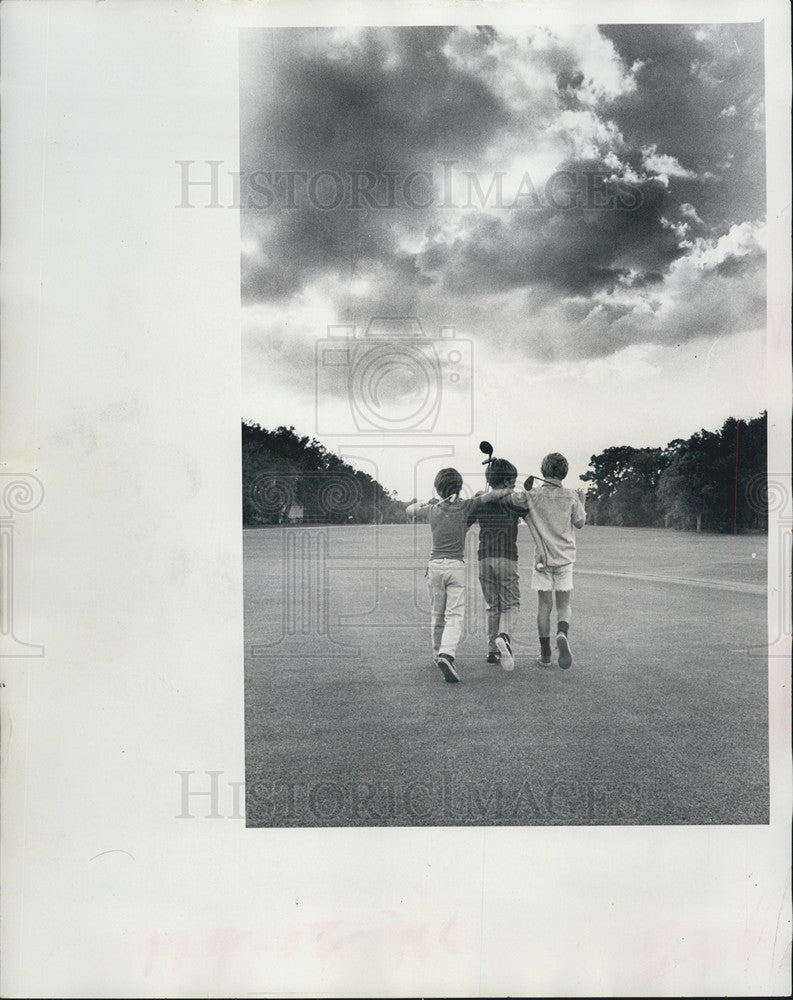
[(579, 208)]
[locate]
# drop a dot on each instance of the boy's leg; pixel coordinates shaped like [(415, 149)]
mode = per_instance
[(437, 607), (563, 609), (509, 596), (490, 594), (454, 579), (544, 608), (563, 618), (439, 596), (509, 605)]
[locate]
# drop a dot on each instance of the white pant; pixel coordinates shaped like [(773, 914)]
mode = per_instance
[(446, 580)]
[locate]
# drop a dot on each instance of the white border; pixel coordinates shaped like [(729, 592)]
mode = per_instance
[(120, 390)]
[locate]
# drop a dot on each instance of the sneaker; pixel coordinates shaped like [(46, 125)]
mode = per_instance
[(507, 661), (493, 656), (542, 662), (565, 656), (445, 664)]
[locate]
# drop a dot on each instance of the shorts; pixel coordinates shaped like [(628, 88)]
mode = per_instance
[(552, 578)]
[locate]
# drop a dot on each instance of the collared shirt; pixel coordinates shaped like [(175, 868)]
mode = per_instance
[(555, 511)]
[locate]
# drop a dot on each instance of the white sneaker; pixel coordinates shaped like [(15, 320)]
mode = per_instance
[(507, 660)]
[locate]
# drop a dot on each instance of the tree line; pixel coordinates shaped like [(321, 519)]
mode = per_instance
[(712, 481), (287, 478)]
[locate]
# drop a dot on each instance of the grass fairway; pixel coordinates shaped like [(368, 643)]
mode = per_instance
[(662, 719)]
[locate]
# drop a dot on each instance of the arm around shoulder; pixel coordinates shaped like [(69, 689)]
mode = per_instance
[(519, 500), (478, 499)]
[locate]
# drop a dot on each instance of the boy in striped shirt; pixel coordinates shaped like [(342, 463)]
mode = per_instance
[(498, 564)]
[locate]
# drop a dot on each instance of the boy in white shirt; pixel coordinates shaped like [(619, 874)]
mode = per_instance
[(554, 513)]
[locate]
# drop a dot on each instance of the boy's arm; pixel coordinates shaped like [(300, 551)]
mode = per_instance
[(521, 502), (539, 544), (475, 502), (579, 509), (528, 517), (518, 500), (419, 511)]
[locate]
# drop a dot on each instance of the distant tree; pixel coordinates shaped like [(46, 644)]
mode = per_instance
[(624, 486), (283, 471), (268, 481), (686, 490), (708, 478), (751, 468)]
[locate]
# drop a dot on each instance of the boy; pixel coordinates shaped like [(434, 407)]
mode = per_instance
[(553, 514), (498, 564), (450, 518)]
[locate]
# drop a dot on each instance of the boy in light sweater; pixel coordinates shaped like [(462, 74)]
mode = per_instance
[(553, 514)]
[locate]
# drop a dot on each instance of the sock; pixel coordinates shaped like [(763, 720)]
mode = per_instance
[(545, 646), (563, 627)]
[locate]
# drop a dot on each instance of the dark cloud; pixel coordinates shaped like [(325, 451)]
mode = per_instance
[(363, 121), (647, 279), (568, 83), (699, 98), (667, 118), (575, 250), (734, 265), (391, 100), (298, 245)]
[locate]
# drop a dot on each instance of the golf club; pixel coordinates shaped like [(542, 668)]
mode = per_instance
[(529, 482)]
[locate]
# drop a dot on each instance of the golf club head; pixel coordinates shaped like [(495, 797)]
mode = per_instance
[(531, 480)]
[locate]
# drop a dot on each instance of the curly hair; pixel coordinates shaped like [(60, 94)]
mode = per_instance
[(554, 466)]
